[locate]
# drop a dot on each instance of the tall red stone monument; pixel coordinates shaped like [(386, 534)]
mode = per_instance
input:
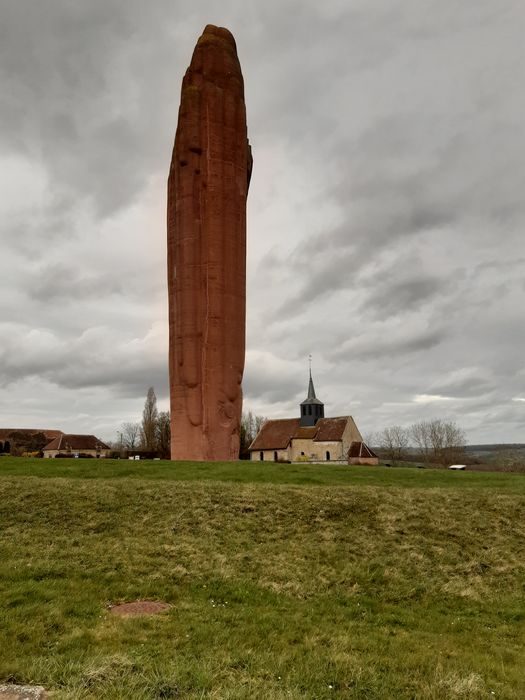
[(207, 189)]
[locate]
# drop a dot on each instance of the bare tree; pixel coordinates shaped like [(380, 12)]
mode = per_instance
[(130, 435), (394, 443), (510, 460), (439, 441), (258, 423), (371, 439), (150, 416), (420, 435), (164, 434), (454, 443), (250, 426)]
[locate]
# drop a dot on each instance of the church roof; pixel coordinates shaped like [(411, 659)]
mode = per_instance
[(330, 428), (276, 434), (305, 432)]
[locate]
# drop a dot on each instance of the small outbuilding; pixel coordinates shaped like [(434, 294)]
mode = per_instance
[(360, 453), (76, 446)]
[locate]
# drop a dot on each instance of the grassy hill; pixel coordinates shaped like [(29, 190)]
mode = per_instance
[(285, 582)]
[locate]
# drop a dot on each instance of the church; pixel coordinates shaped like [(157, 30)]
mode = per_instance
[(311, 437)]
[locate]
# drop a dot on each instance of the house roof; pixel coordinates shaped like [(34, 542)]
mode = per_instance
[(70, 443), (5, 433), (50, 434), (360, 449), (276, 434)]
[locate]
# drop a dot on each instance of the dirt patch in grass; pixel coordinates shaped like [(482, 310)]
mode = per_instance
[(139, 607), (22, 692)]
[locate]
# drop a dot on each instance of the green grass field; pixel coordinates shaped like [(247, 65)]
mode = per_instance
[(285, 582)]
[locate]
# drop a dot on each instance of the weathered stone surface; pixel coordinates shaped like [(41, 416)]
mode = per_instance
[(207, 190)]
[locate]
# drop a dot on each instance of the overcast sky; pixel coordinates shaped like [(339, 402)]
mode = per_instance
[(385, 220)]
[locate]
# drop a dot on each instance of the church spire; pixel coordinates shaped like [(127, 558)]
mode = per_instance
[(311, 408), (311, 390)]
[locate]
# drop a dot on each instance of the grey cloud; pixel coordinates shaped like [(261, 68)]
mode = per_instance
[(399, 297), (93, 130), (271, 384), (461, 388), (321, 280), (97, 358), (126, 381), (58, 281), (384, 346)]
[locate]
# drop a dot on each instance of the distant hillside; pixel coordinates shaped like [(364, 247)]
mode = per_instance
[(496, 447)]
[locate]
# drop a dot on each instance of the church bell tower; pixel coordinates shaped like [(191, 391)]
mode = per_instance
[(311, 408)]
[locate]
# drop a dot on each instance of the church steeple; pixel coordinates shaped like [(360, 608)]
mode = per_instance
[(311, 408), (311, 390)]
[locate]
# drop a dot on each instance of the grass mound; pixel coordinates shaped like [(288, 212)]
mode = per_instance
[(356, 586)]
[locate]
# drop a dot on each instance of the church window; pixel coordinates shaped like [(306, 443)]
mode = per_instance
[(261, 456), (275, 456), (327, 456)]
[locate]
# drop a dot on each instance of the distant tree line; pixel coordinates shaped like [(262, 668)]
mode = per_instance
[(432, 442)]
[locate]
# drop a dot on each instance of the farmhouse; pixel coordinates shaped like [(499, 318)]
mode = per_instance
[(25, 439), (311, 437), (76, 446)]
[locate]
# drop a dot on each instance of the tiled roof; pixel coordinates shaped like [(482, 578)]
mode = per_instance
[(275, 434), (329, 429), (75, 443), (360, 449), (50, 434), (306, 432)]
